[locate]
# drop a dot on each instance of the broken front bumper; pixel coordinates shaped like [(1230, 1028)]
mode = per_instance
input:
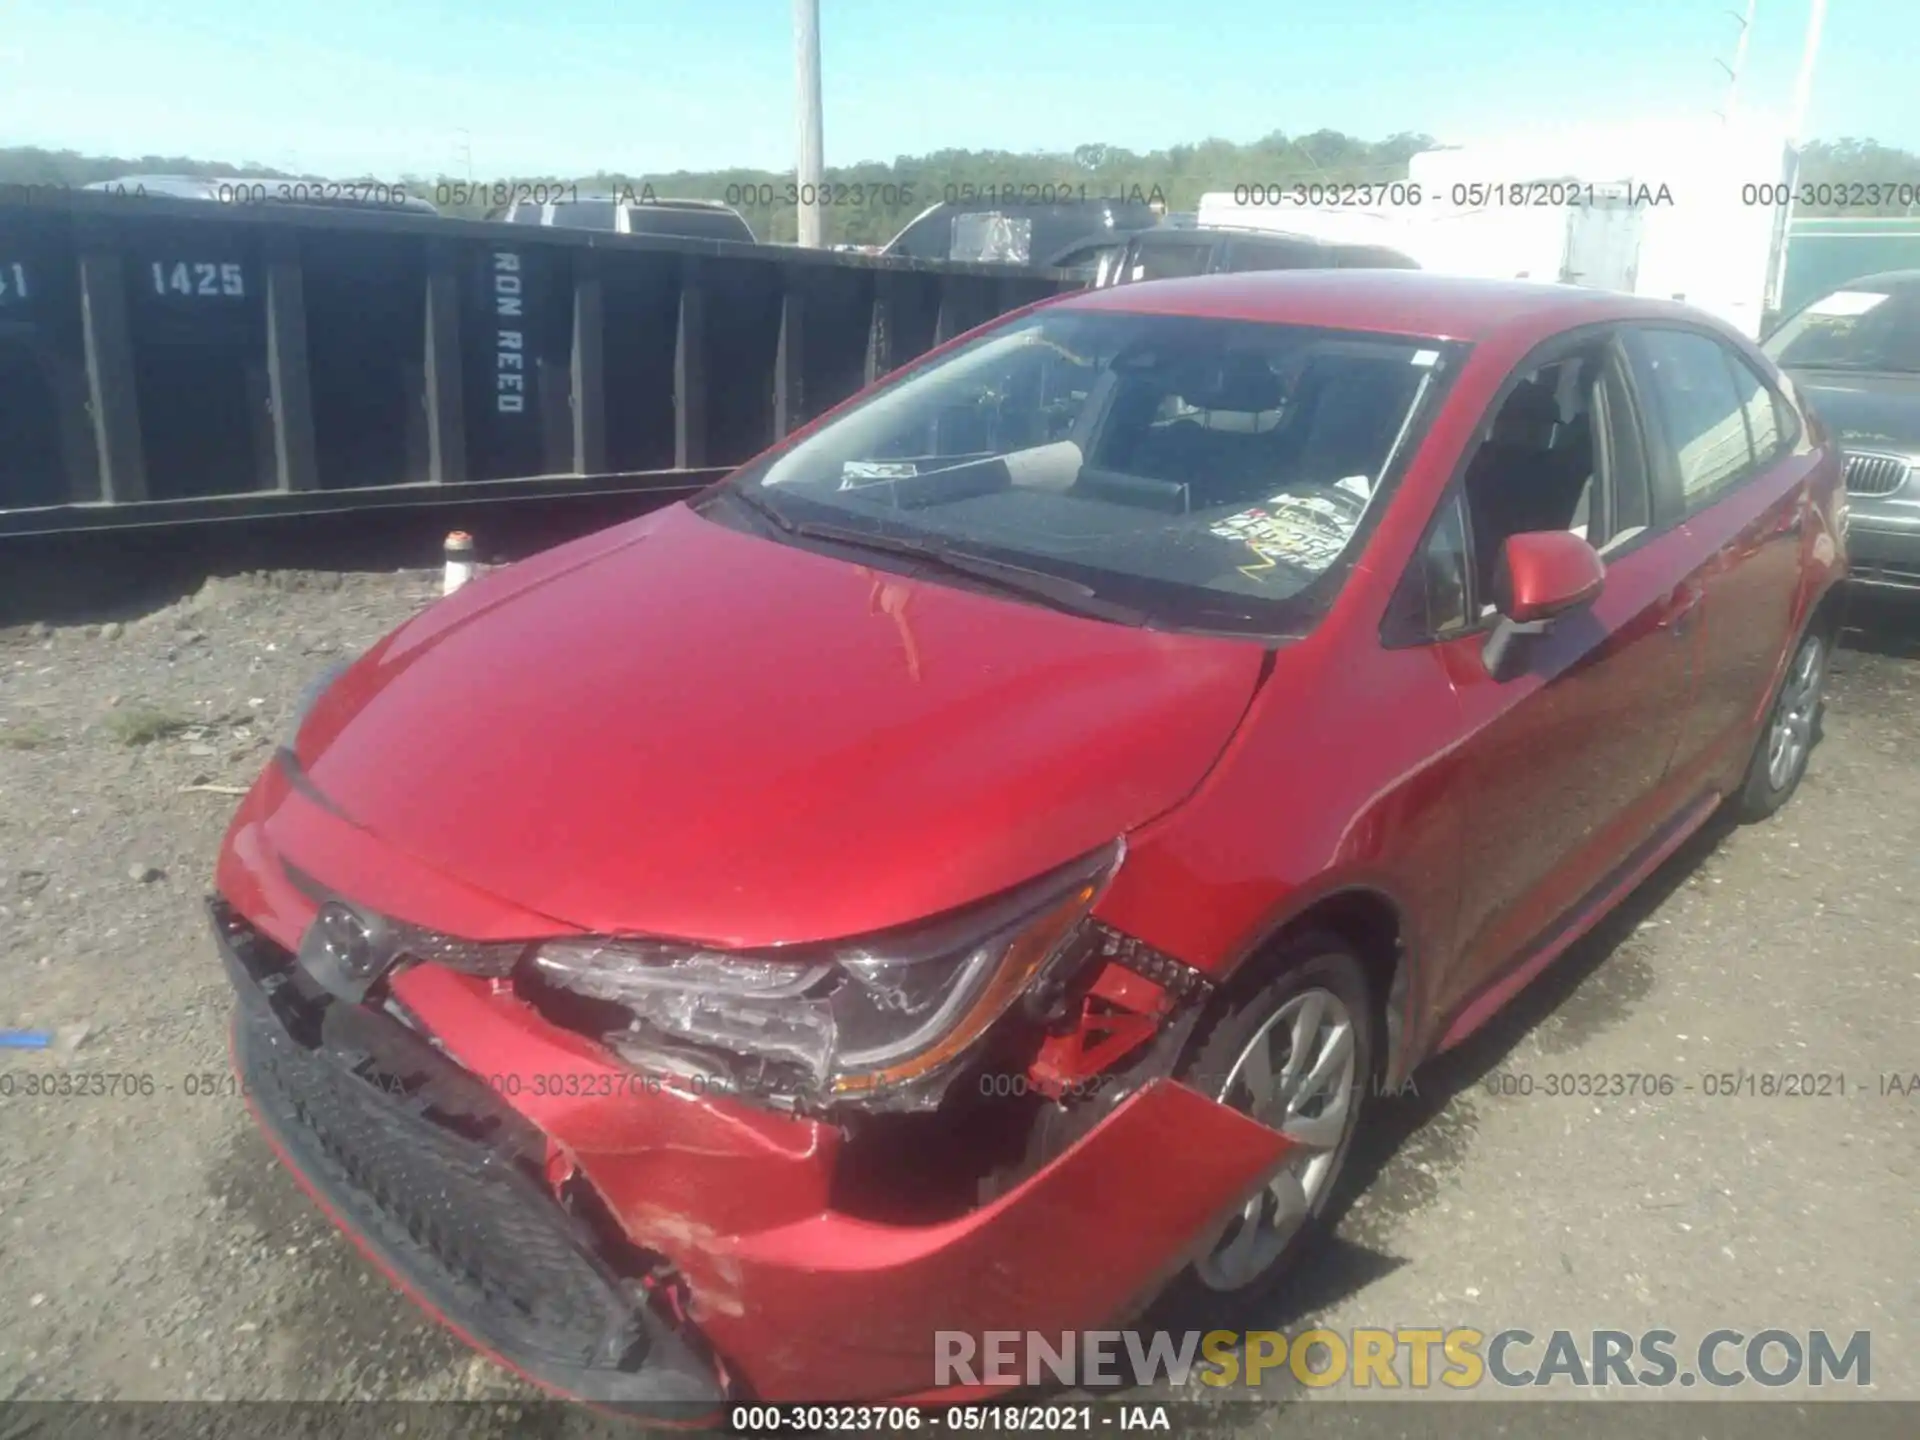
[(438, 1183), (793, 1298)]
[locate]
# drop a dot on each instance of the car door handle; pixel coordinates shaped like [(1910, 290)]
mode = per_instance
[(1686, 604)]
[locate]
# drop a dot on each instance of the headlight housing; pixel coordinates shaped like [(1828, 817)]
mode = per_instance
[(880, 1021)]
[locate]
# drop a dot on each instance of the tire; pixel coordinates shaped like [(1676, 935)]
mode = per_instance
[(1311, 965), (1792, 729)]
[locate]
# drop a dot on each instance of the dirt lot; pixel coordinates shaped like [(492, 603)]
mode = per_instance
[(150, 1248)]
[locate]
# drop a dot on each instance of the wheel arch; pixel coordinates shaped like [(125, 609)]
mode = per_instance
[(1828, 613), (1375, 924)]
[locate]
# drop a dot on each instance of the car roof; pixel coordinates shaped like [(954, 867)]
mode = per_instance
[(1392, 302)]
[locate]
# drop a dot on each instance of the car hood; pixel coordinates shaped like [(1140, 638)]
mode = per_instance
[(678, 729), (1868, 411)]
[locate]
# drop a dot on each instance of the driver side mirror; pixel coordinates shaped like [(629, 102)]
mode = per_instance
[(1543, 575)]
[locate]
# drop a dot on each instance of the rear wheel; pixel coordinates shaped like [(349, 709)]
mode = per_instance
[(1296, 1055), (1780, 759)]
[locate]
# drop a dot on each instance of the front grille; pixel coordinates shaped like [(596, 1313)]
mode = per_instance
[(440, 1174), (443, 1182), (490, 959), (1875, 474), (1888, 573)]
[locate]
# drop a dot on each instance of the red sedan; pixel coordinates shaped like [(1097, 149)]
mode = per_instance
[(970, 869)]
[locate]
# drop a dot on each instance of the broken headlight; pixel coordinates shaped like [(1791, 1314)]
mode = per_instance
[(879, 1020)]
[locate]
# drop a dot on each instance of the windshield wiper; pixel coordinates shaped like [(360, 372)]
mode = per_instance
[(1056, 590), (760, 506)]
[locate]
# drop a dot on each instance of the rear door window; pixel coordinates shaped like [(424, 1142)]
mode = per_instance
[(1690, 377)]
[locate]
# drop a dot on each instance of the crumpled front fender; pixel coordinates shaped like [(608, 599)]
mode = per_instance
[(808, 1303)]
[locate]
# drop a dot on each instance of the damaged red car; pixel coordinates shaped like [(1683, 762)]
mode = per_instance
[(973, 868)]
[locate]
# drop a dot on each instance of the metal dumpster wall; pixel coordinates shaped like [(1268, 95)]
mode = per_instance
[(165, 361)]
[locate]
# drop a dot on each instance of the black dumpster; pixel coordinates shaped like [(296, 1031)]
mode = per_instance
[(46, 450), (165, 361)]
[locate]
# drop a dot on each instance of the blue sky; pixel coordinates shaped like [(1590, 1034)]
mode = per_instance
[(561, 87)]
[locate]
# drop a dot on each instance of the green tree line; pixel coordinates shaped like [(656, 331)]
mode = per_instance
[(867, 203)]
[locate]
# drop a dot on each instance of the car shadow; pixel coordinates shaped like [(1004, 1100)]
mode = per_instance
[(1877, 623), (1342, 1264)]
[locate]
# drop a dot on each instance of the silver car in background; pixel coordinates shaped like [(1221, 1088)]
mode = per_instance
[(1855, 354)]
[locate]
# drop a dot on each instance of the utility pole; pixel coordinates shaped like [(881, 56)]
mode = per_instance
[(812, 167)]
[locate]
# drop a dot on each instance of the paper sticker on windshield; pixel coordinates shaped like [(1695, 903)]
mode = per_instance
[(856, 473), (1846, 302), (1305, 534), (1323, 506), (1426, 359)]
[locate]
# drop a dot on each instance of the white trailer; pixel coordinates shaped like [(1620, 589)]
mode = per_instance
[(1690, 210), (1335, 225)]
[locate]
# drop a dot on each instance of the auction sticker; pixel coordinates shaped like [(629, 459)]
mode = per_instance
[(1305, 532)]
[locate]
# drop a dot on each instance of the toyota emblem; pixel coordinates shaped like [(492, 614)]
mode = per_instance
[(343, 951)]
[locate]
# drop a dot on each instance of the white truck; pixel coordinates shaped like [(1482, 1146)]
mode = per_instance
[(1691, 210)]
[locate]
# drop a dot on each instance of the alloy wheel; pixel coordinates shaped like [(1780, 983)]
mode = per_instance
[(1790, 735), (1296, 1075)]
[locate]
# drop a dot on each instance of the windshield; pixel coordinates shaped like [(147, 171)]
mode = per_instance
[(1204, 472), (1873, 327)]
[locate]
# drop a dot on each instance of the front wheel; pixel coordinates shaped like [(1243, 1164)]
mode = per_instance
[(1780, 759), (1298, 1056)]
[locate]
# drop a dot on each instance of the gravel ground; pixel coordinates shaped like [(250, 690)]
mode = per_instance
[(151, 1249)]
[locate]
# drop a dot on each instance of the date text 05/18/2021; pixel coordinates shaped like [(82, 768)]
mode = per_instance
[(961, 1419)]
